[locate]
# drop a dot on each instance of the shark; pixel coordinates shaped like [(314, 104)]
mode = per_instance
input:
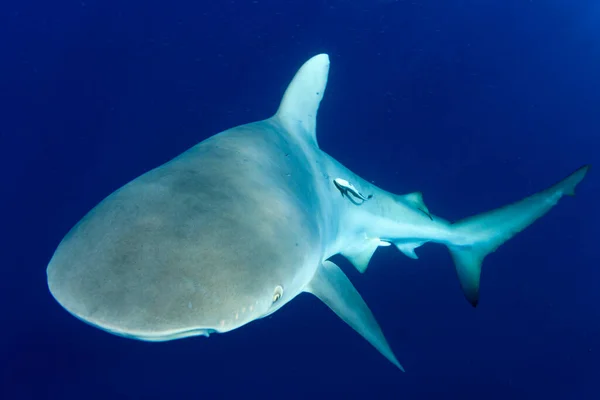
[(239, 225)]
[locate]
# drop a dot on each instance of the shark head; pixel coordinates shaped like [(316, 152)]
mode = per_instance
[(166, 257), (226, 233), (164, 296)]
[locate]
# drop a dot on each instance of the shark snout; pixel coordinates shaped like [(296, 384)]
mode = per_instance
[(153, 309)]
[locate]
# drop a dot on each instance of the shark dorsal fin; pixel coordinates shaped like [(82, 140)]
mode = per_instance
[(416, 200), (298, 109)]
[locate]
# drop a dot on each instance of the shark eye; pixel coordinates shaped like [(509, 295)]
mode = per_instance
[(278, 293)]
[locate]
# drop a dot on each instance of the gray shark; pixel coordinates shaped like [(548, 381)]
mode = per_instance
[(237, 226)]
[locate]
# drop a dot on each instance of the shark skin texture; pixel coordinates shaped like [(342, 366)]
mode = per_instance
[(237, 226)]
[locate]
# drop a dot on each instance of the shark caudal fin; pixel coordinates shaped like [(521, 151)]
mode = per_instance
[(480, 235)]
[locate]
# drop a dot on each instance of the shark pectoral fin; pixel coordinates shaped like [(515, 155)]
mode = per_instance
[(298, 109), (360, 254), (334, 289)]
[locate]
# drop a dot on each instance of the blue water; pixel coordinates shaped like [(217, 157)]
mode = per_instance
[(474, 103)]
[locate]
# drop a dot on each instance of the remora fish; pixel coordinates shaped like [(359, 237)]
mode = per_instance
[(242, 223)]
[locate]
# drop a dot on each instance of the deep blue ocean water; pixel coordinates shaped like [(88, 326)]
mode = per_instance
[(474, 103)]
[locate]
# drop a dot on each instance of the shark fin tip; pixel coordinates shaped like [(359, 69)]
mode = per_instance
[(570, 183)]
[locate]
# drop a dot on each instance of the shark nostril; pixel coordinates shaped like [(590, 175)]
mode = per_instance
[(278, 293)]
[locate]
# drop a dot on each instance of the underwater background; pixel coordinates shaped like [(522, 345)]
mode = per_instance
[(474, 103)]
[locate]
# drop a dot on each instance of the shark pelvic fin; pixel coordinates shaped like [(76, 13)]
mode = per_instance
[(298, 109), (334, 289), (486, 232), (360, 254)]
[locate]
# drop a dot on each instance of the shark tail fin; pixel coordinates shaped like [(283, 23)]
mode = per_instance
[(480, 235)]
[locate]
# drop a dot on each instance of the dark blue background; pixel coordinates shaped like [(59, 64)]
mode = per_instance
[(475, 103)]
